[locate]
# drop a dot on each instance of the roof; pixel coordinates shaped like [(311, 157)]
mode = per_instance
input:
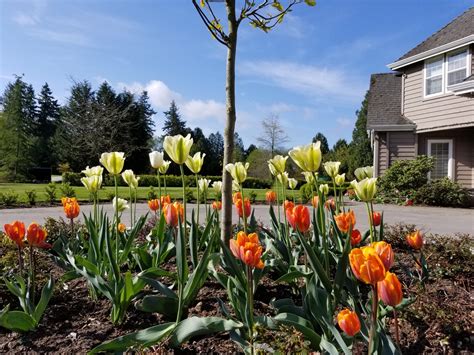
[(462, 26), (384, 102)]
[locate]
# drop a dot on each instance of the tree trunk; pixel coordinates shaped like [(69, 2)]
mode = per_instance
[(226, 227)]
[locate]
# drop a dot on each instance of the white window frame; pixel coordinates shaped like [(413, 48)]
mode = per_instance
[(450, 155), (444, 72)]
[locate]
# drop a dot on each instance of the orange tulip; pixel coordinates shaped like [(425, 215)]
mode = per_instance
[(71, 207), (270, 196), (171, 212), (165, 199), (356, 237), (330, 204), (247, 208), (349, 322), (16, 232), (217, 205), (236, 196), (376, 218), (36, 236), (154, 204), (299, 218), (390, 290), (385, 253), (345, 221), (288, 204), (121, 227), (315, 201), (415, 240), (248, 249), (366, 265)]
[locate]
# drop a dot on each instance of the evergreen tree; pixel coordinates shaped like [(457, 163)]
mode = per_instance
[(360, 150), (324, 142), (47, 120), (201, 144), (17, 126), (239, 150), (173, 124), (216, 153)]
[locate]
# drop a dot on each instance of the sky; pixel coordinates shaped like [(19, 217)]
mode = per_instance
[(312, 71)]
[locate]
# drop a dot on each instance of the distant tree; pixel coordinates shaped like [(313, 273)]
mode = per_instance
[(340, 152), (273, 136), (216, 153), (47, 121), (340, 144), (17, 129), (324, 142), (239, 149), (173, 124), (249, 150), (360, 149), (258, 164), (201, 144)]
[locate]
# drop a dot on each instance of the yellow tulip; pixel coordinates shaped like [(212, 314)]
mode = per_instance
[(194, 163), (178, 147), (130, 178), (238, 171), (307, 157), (283, 179), (277, 164), (340, 179), (332, 168), (94, 171), (364, 172), (309, 177), (324, 188), (92, 183), (113, 162), (365, 189), (164, 168), (292, 183)]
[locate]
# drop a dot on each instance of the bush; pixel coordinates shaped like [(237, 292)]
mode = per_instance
[(67, 190), (152, 194), (50, 192), (305, 192), (73, 179), (442, 192), (405, 176), (252, 196), (8, 198), (31, 197)]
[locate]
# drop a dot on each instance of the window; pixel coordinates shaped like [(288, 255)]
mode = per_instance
[(457, 67), (444, 71), (442, 151), (434, 77)]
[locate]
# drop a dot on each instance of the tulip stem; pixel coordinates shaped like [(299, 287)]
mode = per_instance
[(159, 187), (250, 301), (131, 205), (370, 222), (164, 180), (184, 198), (198, 199), (20, 260), (397, 334), (32, 275), (338, 206), (373, 327), (116, 219), (135, 208), (278, 202), (72, 228), (244, 215)]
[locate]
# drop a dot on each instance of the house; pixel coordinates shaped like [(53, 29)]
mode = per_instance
[(426, 105)]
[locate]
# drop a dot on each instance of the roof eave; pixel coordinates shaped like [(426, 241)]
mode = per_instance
[(464, 87), (392, 127), (432, 52)]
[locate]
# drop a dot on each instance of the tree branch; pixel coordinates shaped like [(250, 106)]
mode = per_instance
[(217, 33)]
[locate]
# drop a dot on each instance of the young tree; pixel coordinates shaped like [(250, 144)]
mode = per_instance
[(264, 15), (360, 150), (17, 129), (273, 136)]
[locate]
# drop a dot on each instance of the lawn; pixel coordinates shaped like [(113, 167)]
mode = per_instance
[(105, 193)]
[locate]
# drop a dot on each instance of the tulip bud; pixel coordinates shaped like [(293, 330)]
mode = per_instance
[(298, 217), (365, 189), (130, 179), (376, 218), (345, 221), (324, 189), (248, 249), (238, 171), (154, 204), (340, 179), (330, 204), (71, 207), (122, 227), (173, 211), (307, 157), (356, 237), (113, 162), (366, 265), (292, 183), (349, 322), (216, 205), (332, 168), (390, 290), (203, 184), (385, 253), (164, 168), (277, 164), (16, 232), (415, 240), (315, 201), (288, 205), (217, 187), (156, 159), (195, 163), (36, 236), (270, 196), (283, 179), (178, 147), (94, 171), (245, 213)]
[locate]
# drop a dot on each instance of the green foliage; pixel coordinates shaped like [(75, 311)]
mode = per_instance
[(442, 192), (73, 179), (67, 190), (59, 227), (305, 192), (8, 198), (31, 197), (50, 192), (252, 196), (152, 194), (324, 142), (405, 176)]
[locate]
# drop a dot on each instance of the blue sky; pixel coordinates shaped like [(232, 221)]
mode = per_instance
[(312, 71)]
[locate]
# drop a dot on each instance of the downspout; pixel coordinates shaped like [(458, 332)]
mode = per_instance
[(376, 154), (403, 94)]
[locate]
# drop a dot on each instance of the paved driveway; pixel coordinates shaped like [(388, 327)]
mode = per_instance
[(429, 219)]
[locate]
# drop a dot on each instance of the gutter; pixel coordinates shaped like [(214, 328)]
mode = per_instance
[(464, 87), (432, 52), (392, 127)]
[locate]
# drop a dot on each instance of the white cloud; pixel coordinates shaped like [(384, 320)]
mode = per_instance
[(309, 80), (23, 19), (201, 109), (344, 122)]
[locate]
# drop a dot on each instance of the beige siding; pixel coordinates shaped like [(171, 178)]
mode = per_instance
[(401, 146), (434, 112), (383, 152), (463, 152)]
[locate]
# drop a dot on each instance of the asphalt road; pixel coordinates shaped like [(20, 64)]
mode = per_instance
[(436, 220)]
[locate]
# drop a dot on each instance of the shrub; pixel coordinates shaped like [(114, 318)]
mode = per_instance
[(50, 192), (58, 227), (442, 192), (305, 192), (73, 179), (152, 194), (67, 190), (405, 176), (64, 168), (8, 198), (31, 197), (253, 196)]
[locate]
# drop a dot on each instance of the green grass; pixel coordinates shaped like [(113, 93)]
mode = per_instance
[(105, 193)]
